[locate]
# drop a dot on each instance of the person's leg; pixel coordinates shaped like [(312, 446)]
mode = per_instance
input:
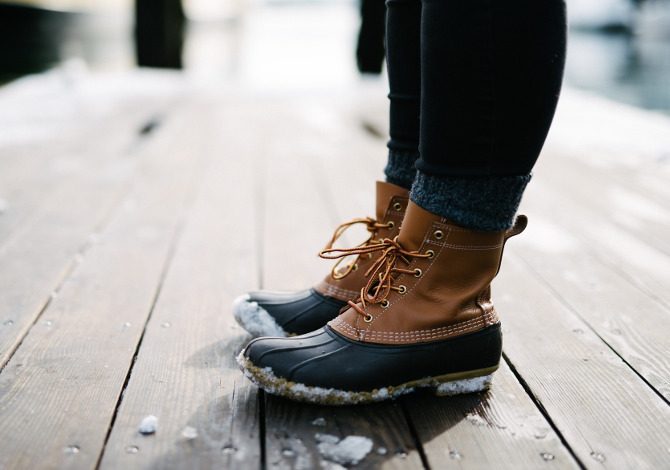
[(403, 20), (491, 75)]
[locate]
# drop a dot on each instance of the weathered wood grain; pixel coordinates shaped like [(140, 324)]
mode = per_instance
[(34, 175), (640, 263), (604, 411), (57, 202), (185, 373), (631, 322), (59, 391), (625, 202), (501, 428)]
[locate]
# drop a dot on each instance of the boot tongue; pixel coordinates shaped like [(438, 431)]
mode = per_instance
[(415, 224), (386, 192)]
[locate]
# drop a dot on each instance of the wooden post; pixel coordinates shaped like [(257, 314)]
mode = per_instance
[(159, 33), (370, 47)]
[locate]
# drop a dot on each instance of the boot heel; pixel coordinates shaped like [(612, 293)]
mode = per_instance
[(458, 387)]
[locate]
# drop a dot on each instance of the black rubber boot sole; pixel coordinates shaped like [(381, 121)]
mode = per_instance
[(324, 367)]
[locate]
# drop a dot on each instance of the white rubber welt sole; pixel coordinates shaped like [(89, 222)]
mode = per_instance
[(254, 318), (444, 385)]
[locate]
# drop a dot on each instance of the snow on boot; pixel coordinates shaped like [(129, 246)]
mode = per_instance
[(268, 313), (424, 319)]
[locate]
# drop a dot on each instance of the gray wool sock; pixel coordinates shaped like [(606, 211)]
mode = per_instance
[(487, 203), (400, 169)]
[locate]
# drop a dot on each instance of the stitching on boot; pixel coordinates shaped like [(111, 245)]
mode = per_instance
[(335, 291), (430, 265), (431, 334)]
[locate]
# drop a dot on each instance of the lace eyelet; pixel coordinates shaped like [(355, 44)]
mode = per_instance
[(418, 272), (385, 303), (391, 224), (397, 206), (402, 289), (355, 267), (431, 254), (367, 318), (438, 234)]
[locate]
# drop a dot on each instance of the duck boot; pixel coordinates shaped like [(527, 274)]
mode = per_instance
[(268, 313), (423, 319)]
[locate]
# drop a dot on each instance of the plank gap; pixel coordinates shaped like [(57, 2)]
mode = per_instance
[(67, 273), (150, 125), (161, 281), (542, 410), (262, 428), (415, 436)]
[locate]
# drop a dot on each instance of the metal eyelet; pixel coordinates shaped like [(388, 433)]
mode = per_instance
[(397, 206), (402, 289), (438, 234), (355, 267), (367, 318), (431, 254), (391, 224), (385, 303), (418, 272)]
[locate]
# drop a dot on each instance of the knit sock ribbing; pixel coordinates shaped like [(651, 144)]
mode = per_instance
[(487, 203), (400, 168)]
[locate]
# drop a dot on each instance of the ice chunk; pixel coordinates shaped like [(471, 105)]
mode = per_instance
[(348, 451), (254, 318), (148, 425), (189, 433)]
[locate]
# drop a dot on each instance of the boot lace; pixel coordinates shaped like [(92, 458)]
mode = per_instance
[(383, 272), (372, 226)]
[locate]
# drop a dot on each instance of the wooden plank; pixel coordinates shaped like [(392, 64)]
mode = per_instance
[(33, 175), (627, 318), (607, 415), (502, 428), (59, 391), (296, 223), (49, 225), (294, 432), (621, 251), (185, 373), (499, 429), (625, 204), (294, 192), (59, 129)]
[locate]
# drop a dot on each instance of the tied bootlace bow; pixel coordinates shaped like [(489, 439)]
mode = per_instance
[(372, 226), (381, 274)]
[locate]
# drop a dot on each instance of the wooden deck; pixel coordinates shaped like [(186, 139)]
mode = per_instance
[(133, 209)]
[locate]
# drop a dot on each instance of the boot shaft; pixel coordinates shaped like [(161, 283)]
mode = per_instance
[(440, 286), (345, 282)]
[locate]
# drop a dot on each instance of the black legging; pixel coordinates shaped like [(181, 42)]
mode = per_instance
[(474, 83)]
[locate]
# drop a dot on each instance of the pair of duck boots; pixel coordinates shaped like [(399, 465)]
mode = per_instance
[(410, 308)]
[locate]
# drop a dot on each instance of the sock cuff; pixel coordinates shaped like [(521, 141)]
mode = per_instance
[(486, 203), (400, 169)]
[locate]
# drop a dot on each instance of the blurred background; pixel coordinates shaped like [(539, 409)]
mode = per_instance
[(618, 48)]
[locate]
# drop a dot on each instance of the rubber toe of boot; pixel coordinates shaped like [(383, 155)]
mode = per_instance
[(266, 313), (326, 368)]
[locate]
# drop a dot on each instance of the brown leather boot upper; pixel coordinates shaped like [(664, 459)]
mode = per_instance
[(345, 282), (431, 283)]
